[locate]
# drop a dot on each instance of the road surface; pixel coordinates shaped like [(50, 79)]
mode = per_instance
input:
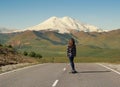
[(57, 75)]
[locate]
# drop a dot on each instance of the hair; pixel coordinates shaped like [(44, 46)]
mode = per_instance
[(71, 42)]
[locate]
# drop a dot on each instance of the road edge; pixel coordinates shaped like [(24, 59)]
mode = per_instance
[(108, 68), (15, 70)]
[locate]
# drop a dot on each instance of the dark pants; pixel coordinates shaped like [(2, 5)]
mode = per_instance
[(72, 62)]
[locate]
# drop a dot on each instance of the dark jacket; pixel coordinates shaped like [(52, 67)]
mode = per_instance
[(71, 51)]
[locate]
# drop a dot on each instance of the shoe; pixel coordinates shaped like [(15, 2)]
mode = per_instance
[(74, 71)]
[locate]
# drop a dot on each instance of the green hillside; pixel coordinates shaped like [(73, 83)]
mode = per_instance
[(82, 51), (4, 38), (103, 40), (9, 55), (51, 44)]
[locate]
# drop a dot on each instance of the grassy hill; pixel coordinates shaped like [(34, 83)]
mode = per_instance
[(4, 38), (46, 38), (9, 55), (51, 44), (104, 40)]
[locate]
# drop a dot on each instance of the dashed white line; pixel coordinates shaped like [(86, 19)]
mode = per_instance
[(55, 83), (109, 68), (64, 69)]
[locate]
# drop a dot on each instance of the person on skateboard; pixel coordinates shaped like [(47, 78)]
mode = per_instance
[(71, 53)]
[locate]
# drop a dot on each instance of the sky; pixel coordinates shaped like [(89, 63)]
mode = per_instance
[(20, 14)]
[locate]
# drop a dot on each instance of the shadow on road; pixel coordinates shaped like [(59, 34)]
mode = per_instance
[(94, 71)]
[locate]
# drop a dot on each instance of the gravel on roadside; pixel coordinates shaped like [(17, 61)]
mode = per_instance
[(14, 66)]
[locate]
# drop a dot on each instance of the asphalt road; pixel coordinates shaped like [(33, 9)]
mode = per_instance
[(57, 75)]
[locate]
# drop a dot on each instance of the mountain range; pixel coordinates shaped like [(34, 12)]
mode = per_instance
[(109, 39), (53, 34), (6, 30), (64, 25)]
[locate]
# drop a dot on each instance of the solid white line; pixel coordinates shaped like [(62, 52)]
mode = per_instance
[(64, 69), (20, 69), (55, 83), (109, 68)]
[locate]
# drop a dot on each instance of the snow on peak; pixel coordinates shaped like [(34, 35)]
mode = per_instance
[(64, 25), (6, 30)]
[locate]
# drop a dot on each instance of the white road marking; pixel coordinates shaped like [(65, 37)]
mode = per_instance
[(64, 69), (20, 69), (109, 68), (55, 83)]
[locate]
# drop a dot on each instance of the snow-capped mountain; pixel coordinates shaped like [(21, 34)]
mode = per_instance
[(64, 25), (6, 30)]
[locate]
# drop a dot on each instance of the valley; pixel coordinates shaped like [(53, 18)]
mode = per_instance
[(50, 39)]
